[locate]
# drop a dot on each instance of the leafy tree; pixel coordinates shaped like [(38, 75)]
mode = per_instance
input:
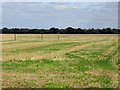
[(70, 30), (54, 30)]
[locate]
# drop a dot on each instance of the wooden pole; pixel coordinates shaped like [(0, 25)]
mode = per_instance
[(58, 35), (41, 36), (14, 35)]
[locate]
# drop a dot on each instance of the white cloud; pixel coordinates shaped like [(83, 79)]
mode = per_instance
[(61, 7), (66, 6)]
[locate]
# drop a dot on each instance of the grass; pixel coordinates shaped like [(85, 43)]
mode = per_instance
[(55, 85), (52, 47), (29, 66), (76, 61)]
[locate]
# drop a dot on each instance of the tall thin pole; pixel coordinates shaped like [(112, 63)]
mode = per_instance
[(58, 35), (14, 35), (41, 36)]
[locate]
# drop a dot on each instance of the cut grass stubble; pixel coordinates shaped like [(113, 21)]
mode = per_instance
[(79, 64)]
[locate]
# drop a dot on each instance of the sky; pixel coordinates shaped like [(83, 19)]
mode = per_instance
[(60, 14), (59, 0)]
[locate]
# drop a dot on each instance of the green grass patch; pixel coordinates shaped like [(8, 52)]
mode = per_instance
[(33, 66), (106, 63), (29, 66), (56, 85), (102, 79), (50, 47), (85, 57)]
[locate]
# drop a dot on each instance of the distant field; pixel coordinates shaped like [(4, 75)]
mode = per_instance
[(74, 61)]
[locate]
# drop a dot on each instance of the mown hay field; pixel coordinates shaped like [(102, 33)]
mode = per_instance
[(74, 61)]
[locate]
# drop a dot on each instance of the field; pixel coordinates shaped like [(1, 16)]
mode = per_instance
[(74, 61)]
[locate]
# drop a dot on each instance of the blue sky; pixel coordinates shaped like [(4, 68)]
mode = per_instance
[(60, 14)]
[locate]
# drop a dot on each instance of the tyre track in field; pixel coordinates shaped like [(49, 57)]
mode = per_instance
[(52, 43), (48, 55), (60, 54)]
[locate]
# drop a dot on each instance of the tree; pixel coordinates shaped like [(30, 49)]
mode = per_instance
[(70, 30), (5, 30), (92, 30), (78, 31), (54, 30)]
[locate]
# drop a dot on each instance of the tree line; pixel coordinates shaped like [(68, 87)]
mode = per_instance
[(53, 30)]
